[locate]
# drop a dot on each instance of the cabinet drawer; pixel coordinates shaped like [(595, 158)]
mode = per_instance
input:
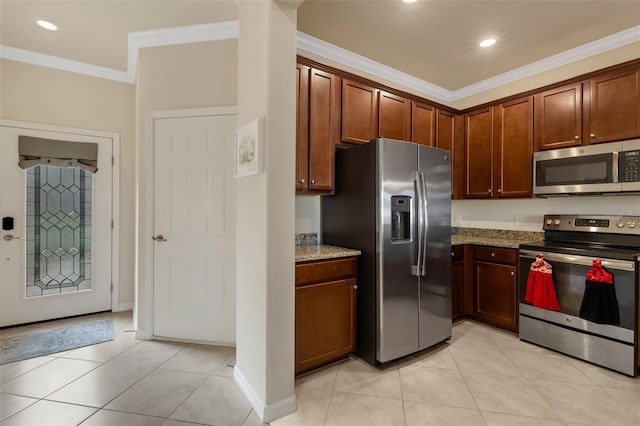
[(495, 254), (457, 253), (325, 270)]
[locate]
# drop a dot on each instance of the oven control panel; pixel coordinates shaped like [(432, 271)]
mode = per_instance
[(606, 224)]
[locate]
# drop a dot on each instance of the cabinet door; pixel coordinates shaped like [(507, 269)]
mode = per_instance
[(394, 116), (325, 323), (513, 148), (302, 126), (359, 112), (479, 154), (612, 107), (449, 135), (457, 289), (496, 294), (559, 117), (324, 128), (423, 124)]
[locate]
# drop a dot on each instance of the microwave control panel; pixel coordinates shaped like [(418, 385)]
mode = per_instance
[(629, 166)]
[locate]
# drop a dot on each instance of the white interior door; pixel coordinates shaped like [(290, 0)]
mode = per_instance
[(56, 262), (194, 246)]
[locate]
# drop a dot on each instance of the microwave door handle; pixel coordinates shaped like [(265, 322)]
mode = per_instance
[(425, 227), (621, 265), (614, 167)]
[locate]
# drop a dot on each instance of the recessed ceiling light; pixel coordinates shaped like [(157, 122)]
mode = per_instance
[(47, 25), (409, 1), (488, 42)]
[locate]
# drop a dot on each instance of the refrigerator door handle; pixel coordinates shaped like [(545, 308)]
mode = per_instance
[(425, 223), (417, 269)]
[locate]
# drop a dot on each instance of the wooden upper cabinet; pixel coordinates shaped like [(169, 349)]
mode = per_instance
[(559, 117), (302, 126), (359, 112), (394, 116), (423, 124), (479, 154), (513, 148), (612, 107), (324, 128)]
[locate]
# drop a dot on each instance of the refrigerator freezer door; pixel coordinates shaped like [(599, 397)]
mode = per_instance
[(435, 284), (397, 328)]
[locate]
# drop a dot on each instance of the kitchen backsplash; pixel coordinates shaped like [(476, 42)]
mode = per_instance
[(307, 239)]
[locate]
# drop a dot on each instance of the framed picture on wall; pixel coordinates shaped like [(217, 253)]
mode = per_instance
[(249, 149)]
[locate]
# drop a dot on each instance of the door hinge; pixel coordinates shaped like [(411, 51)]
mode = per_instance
[(112, 224), (113, 160), (111, 287)]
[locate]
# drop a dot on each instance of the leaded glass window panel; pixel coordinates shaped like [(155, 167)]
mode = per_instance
[(58, 230)]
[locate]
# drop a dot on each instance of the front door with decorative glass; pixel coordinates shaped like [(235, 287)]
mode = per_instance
[(56, 260)]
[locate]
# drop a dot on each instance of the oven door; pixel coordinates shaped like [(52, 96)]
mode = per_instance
[(612, 346)]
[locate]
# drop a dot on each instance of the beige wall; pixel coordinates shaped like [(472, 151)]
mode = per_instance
[(48, 96), (168, 78)]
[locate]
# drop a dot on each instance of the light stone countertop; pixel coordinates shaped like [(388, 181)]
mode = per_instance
[(494, 237), (305, 253)]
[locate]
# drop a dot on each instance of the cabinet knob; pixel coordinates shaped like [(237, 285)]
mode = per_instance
[(576, 137), (313, 181), (355, 287), (593, 135), (302, 180), (493, 255), (512, 273), (452, 254), (489, 191), (499, 190)]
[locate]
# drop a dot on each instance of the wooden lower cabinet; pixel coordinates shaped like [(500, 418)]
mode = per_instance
[(495, 278), (325, 304), (457, 282)]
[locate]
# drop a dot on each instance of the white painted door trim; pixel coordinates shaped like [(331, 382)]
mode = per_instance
[(115, 192), (146, 223)]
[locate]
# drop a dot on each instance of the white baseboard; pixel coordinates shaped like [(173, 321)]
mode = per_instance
[(123, 307), (267, 413)]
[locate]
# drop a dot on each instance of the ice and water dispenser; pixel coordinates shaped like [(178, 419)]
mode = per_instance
[(400, 218)]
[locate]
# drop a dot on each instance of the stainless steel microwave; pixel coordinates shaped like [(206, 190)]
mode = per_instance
[(603, 168)]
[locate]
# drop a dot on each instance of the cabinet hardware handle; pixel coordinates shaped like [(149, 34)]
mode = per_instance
[(499, 190), (593, 135), (452, 254), (302, 180), (355, 287), (160, 238), (576, 137), (10, 237), (493, 255), (489, 190), (512, 273), (313, 181)]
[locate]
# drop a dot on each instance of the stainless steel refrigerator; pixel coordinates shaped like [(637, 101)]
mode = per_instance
[(393, 202)]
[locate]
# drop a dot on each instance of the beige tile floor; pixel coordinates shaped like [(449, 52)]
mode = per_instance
[(483, 376)]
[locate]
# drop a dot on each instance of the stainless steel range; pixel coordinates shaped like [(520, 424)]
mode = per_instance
[(571, 245)]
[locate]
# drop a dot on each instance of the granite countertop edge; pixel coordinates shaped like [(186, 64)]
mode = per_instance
[(305, 253), (487, 241)]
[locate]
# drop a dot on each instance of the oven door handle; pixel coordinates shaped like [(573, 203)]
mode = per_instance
[(621, 265)]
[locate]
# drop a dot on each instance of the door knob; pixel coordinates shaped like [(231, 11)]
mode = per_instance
[(160, 238), (10, 237)]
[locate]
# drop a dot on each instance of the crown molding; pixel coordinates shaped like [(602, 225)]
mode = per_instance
[(307, 43), (613, 41), (40, 59), (136, 41)]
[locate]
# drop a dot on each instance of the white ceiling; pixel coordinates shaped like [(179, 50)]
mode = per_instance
[(435, 41)]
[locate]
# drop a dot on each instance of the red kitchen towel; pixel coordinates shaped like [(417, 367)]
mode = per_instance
[(541, 292), (599, 303)]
